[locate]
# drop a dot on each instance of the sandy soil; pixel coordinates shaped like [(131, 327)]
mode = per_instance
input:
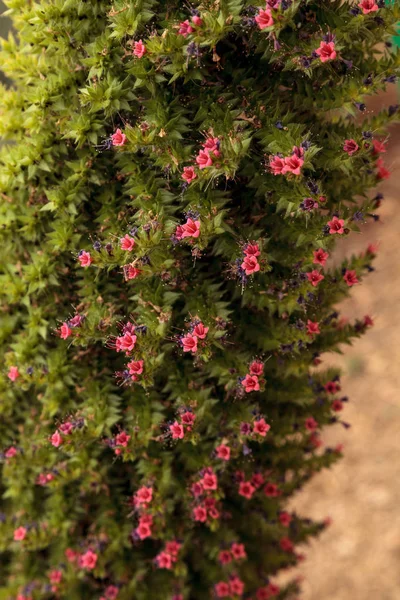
[(358, 557)]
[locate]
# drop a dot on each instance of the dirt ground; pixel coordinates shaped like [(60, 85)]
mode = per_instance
[(358, 557)]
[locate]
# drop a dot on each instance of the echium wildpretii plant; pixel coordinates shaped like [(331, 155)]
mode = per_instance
[(173, 180)]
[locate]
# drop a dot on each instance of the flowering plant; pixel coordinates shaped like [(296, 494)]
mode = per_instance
[(176, 183)]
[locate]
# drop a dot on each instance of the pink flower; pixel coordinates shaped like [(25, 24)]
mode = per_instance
[(65, 331), (264, 19), (261, 427), (143, 530), (331, 387), (139, 49), (286, 545), (179, 232), (223, 451), (209, 481), (188, 418), (379, 147), (271, 490), (135, 367), (111, 592), (164, 560), (351, 147), (197, 21), (189, 343), (285, 519), (189, 174), (177, 431), (250, 383), (368, 321), (76, 321), (320, 257), (204, 159), (277, 165), (257, 480), (132, 272), (185, 28), (212, 145), (236, 586), (200, 331), (84, 258), (250, 265), (337, 405), (191, 229), (311, 424), (200, 514), (350, 278), (173, 548), (126, 342), (13, 373), (56, 439), (88, 560), (246, 489), (252, 250), (293, 164), (256, 368), (326, 51), (127, 243), (383, 172), (118, 138), (222, 590), (314, 277), (312, 327), (11, 452), (144, 495), (368, 6), (225, 557), (66, 428), (336, 225), (55, 576), (70, 555), (20, 534), (122, 439), (238, 551)]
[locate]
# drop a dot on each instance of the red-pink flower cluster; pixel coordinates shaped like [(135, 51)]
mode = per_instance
[(250, 264), (233, 588), (178, 429), (169, 556), (187, 27), (197, 331), (202, 490), (280, 165), (251, 382), (236, 552), (190, 229), (126, 342)]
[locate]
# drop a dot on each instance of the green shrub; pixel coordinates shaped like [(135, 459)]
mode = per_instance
[(173, 180)]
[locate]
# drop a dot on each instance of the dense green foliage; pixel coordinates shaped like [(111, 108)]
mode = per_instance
[(84, 435)]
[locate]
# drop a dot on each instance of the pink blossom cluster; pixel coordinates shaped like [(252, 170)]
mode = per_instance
[(280, 165), (251, 381), (186, 27), (250, 264), (233, 588), (190, 341), (85, 560), (168, 556), (178, 429), (127, 341), (203, 491), (190, 229), (236, 552), (65, 429)]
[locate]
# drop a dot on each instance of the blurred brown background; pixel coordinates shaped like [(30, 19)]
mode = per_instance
[(358, 556)]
